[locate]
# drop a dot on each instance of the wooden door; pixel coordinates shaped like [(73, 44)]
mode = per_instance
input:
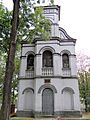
[(48, 102)]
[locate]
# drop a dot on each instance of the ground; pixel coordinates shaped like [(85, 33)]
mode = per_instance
[(86, 116)]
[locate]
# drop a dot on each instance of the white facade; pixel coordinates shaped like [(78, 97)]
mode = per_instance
[(48, 85)]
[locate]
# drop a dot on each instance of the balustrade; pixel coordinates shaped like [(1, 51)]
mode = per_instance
[(29, 74), (66, 72), (47, 71)]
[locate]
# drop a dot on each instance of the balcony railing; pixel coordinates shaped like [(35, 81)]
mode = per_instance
[(66, 72), (29, 74), (47, 71)]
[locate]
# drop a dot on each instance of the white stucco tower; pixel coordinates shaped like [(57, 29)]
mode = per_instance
[(48, 83)]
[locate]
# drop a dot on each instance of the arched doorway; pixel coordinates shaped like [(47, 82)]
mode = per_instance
[(48, 101)]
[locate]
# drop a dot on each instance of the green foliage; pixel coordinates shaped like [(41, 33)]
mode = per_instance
[(15, 76), (15, 79), (2, 71), (5, 25), (84, 86), (32, 24)]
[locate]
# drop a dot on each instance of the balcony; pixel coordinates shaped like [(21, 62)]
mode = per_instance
[(47, 71), (29, 74), (66, 72)]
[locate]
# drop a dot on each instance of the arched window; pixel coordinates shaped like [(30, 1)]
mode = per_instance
[(47, 59), (30, 62), (68, 98), (28, 94), (65, 60)]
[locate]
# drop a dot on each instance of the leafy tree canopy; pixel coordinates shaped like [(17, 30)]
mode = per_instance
[(31, 23), (5, 25)]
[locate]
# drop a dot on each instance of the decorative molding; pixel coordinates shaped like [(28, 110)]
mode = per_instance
[(69, 77), (28, 88), (52, 38), (65, 51), (67, 89), (47, 86), (61, 77), (56, 54), (46, 48), (66, 35), (22, 57), (24, 78), (67, 44), (30, 52), (38, 54), (49, 43)]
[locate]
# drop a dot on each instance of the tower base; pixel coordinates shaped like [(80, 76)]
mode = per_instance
[(68, 114)]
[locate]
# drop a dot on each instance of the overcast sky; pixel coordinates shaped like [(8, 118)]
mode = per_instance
[(75, 19)]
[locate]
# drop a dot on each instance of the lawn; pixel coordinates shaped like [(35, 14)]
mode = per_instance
[(20, 118)]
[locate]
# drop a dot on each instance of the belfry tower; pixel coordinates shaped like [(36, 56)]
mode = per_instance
[(48, 83)]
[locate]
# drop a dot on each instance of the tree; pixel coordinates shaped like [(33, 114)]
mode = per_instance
[(5, 26), (84, 86), (4, 42), (5, 110), (83, 63), (34, 24), (2, 71)]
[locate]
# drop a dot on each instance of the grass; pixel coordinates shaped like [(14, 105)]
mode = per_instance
[(20, 118)]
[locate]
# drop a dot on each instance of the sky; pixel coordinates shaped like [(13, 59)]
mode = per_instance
[(75, 19)]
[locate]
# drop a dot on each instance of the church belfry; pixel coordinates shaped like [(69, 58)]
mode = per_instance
[(53, 14), (48, 83)]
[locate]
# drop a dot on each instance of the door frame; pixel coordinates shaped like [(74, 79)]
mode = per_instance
[(52, 101)]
